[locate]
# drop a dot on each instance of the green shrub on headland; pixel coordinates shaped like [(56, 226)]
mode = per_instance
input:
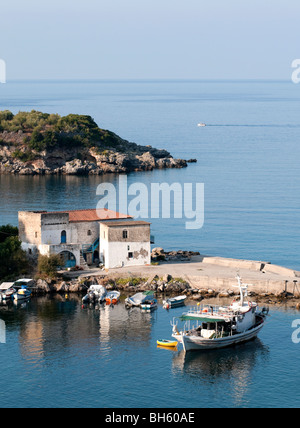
[(43, 131)]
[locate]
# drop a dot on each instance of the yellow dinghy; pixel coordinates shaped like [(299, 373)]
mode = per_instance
[(167, 343)]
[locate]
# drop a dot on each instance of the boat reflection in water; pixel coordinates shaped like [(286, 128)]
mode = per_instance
[(217, 366)]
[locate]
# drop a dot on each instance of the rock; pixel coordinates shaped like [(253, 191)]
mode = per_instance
[(197, 297), (62, 287), (158, 250), (43, 286), (167, 278), (224, 294)]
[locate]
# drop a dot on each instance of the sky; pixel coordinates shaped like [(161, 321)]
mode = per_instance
[(143, 39)]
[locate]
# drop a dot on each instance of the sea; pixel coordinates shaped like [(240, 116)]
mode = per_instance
[(56, 354)]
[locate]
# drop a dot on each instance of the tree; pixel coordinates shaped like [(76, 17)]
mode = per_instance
[(13, 260), (7, 231)]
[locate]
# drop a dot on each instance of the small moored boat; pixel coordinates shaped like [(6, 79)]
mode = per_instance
[(167, 343), (174, 302), (96, 293), (7, 291), (112, 297), (149, 305), (138, 298), (22, 294), (23, 288)]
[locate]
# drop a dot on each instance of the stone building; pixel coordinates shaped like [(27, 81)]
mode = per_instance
[(125, 243), (72, 234), (75, 235)]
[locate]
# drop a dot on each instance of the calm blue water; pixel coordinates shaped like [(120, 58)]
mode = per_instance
[(60, 355), (248, 158)]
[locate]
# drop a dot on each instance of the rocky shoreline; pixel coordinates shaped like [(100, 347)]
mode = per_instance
[(125, 158), (162, 286)]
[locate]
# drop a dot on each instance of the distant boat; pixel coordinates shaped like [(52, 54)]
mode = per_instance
[(174, 302), (201, 125), (112, 297)]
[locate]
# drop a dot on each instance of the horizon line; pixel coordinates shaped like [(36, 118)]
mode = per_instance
[(108, 80)]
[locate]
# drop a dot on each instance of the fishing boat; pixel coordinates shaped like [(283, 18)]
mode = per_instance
[(174, 302), (112, 297), (138, 298), (221, 327), (96, 293), (149, 305), (201, 125), (7, 291), (167, 343)]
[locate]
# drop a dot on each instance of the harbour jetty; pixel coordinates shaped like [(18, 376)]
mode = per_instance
[(191, 273)]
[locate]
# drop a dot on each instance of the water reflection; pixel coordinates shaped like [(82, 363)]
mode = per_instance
[(59, 325), (235, 365)]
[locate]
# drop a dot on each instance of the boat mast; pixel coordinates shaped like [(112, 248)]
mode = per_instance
[(243, 290)]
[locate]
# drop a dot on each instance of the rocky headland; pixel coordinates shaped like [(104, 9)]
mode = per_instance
[(38, 143)]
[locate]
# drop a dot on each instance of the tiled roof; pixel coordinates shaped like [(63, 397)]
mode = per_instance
[(126, 223), (92, 215)]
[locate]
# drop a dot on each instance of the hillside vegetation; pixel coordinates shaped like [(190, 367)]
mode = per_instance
[(43, 131)]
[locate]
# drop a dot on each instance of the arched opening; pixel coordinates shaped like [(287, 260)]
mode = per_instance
[(68, 259), (63, 239), (96, 257)]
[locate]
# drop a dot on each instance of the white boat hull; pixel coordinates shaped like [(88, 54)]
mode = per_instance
[(197, 343), (148, 308), (174, 302)]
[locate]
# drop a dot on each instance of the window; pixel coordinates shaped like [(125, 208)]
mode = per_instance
[(89, 233), (36, 234), (125, 234), (130, 255), (63, 237)]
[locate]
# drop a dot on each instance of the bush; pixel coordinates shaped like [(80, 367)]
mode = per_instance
[(48, 265)]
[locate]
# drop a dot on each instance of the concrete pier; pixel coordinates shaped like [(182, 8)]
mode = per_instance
[(219, 274)]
